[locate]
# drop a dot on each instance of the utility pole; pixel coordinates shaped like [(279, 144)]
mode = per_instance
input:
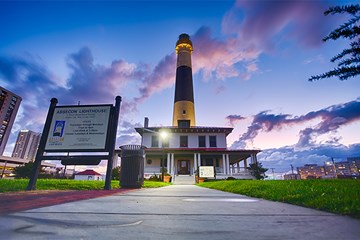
[(292, 168), (333, 162), (272, 170)]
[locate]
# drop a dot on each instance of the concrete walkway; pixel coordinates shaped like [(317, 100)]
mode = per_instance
[(177, 212), (184, 180)]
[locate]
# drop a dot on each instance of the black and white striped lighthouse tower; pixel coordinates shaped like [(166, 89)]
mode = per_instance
[(184, 110)]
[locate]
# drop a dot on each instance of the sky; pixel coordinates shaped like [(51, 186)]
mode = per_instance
[(251, 63)]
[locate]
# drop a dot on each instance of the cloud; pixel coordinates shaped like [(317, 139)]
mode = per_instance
[(220, 59), (282, 158), (233, 119), (88, 83), (34, 83), (252, 28), (331, 119), (126, 133), (264, 25), (91, 82), (163, 76)]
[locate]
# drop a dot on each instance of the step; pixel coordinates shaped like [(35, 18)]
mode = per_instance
[(184, 180)]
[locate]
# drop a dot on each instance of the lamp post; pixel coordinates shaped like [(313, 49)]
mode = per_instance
[(163, 136)]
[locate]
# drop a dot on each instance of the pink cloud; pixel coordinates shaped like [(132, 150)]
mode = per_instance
[(163, 76), (262, 24), (331, 119), (216, 58)]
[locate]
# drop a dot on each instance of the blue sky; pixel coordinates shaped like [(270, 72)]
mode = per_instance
[(251, 63)]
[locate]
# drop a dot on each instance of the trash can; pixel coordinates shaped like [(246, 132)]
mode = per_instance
[(132, 166)]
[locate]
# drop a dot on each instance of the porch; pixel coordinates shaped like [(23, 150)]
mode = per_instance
[(227, 163)]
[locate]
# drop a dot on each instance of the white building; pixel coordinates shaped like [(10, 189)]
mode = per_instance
[(89, 175), (186, 146), (26, 145), (9, 105)]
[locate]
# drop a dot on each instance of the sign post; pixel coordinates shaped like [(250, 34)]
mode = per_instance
[(40, 151), (112, 142), (79, 131)]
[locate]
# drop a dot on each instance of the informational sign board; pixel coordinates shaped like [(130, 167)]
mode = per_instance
[(206, 171), (79, 128)]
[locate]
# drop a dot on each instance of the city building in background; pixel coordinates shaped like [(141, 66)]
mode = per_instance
[(292, 176), (9, 105), (26, 145), (310, 171), (331, 169)]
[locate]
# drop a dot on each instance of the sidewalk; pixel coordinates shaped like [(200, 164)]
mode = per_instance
[(25, 200), (177, 212)]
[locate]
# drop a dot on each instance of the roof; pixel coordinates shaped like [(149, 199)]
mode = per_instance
[(88, 172), (197, 129), (235, 155)]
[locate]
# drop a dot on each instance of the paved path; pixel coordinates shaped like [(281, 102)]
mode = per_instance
[(177, 212), (25, 200)]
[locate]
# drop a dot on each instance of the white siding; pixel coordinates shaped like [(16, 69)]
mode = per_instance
[(88, 177), (193, 142)]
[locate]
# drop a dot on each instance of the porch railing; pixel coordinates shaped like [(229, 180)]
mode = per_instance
[(152, 170), (219, 170)]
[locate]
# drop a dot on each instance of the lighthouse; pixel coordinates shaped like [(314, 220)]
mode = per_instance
[(184, 148), (184, 110)]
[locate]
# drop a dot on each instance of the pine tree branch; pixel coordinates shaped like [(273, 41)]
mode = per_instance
[(349, 51), (349, 62), (343, 73), (351, 9), (349, 67), (344, 33)]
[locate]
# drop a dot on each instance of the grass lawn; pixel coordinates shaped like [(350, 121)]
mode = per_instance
[(337, 196), (10, 185)]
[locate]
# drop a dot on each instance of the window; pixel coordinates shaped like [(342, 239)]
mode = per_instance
[(209, 162), (154, 141), (184, 123), (212, 141), (202, 141), (183, 141), (165, 143)]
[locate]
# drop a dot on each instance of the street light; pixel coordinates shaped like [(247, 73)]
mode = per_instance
[(164, 135)]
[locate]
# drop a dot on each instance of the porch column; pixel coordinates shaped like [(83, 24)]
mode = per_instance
[(195, 162), (227, 163), (253, 158), (172, 163), (199, 159), (245, 165), (224, 164), (168, 162)]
